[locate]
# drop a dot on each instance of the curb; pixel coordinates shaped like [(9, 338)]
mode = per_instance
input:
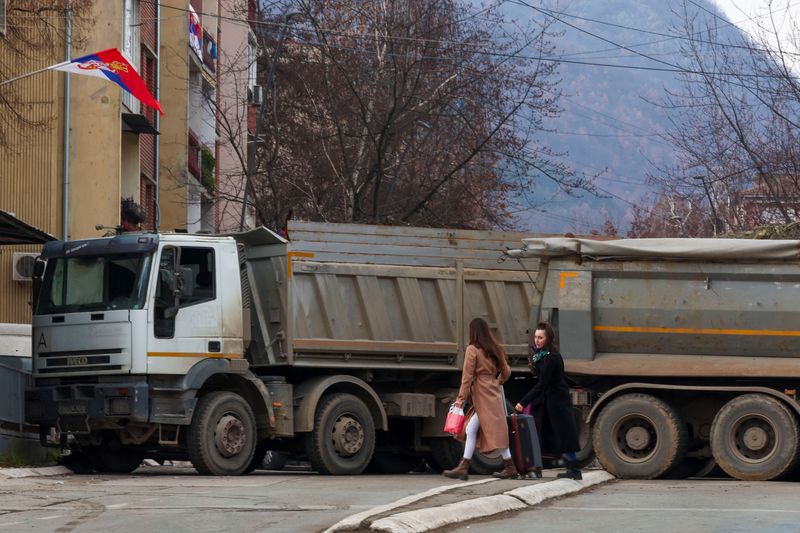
[(423, 520), (360, 520), (35, 472)]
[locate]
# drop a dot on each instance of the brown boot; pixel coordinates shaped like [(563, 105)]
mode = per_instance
[(459, 472), (509, 470)]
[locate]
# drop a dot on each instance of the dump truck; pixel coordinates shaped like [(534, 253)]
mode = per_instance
[(341, 345), (687, 350)]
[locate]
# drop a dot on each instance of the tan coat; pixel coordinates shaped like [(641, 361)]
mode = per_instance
[(480, 386)]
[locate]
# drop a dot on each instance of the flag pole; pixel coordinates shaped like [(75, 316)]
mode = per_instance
[(33, 73)]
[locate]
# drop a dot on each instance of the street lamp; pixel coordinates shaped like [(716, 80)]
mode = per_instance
[(251, 156)]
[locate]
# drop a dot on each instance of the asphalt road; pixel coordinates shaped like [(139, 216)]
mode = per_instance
[(176, 500), (705, 505)]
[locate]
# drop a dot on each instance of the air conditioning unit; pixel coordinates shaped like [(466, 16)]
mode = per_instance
[(256, 94), (22, 268)]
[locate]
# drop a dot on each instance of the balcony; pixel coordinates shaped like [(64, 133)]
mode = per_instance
[(201, 163), (209, 52)]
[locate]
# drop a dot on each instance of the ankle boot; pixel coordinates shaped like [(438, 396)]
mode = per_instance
[(573, 471), (509, 470), (459, 472)]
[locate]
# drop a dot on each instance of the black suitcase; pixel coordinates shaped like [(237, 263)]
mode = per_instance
[(526, 451)]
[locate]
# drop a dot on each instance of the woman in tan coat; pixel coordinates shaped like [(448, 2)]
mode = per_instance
[(485, 370)]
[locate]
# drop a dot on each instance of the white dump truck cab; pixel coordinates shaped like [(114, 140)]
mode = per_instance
[(126, 330)]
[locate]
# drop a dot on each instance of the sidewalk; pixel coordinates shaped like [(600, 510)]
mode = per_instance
[(453, 503)]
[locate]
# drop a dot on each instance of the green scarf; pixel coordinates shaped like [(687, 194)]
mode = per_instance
[(539, 355)]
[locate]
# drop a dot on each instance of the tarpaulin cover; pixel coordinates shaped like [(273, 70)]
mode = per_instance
[(676, 249)]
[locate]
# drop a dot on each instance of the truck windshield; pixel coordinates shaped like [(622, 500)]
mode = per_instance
[(73, 284)]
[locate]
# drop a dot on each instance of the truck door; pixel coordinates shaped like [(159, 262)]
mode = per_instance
[(185, 321)]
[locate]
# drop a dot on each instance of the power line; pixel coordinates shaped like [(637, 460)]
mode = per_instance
[(667, 36), (669, 67)]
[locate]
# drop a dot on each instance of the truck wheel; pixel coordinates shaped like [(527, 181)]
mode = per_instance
[(484, 465), (343, 437), (585, 454), (755, 438), (639, 436), (446, 451), (222, 438)]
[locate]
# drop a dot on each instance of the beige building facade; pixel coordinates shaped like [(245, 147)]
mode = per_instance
[(114, 147)]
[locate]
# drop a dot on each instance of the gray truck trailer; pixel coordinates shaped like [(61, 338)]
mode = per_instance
[(688, 349)]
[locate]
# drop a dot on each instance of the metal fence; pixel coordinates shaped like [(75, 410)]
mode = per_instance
[(15, 376)]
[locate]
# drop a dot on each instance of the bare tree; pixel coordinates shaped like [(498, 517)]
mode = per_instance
[(671, 215), (35, 37), (735, 123), (405, 112)]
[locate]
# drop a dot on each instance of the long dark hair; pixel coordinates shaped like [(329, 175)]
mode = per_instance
[(481, 336), (552, 340)]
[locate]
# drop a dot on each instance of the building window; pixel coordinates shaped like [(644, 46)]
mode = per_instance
[(148, 203), (130, 45), (194, 156), (148, 73), (2, 17), (252, 59)]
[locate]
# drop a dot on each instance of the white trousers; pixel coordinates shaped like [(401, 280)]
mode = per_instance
[(472, 438)]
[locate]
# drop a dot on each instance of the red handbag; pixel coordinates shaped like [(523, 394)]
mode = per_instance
[(454, 423)]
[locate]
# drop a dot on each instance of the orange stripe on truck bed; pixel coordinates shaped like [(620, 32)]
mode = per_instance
[(700, 331), (196, 355)]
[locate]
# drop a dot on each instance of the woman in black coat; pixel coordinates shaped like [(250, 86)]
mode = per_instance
[(551, 394)]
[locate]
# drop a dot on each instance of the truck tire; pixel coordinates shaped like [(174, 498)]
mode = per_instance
[(585, 454), (754, 437), (447, 452), (639, 436), (222, 437), (484, 465), (343, 438)]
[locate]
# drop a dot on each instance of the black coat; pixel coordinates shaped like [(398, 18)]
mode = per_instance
[(552, 405)]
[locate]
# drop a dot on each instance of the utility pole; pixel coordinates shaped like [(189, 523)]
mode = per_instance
[(251, 154)]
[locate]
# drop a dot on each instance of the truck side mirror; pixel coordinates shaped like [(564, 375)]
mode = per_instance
[(38, 267), (38, 272)]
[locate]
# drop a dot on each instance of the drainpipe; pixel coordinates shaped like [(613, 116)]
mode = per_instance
[(157, 195), (67, 92)]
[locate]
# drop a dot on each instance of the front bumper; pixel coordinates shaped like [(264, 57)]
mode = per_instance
[(77, 408)]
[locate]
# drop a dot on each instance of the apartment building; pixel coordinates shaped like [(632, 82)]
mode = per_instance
[(93, 144)]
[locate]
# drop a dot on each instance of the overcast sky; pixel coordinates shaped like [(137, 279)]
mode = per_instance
[(747, 14)]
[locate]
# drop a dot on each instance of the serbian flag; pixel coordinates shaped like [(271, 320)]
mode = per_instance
[(111, 65)]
